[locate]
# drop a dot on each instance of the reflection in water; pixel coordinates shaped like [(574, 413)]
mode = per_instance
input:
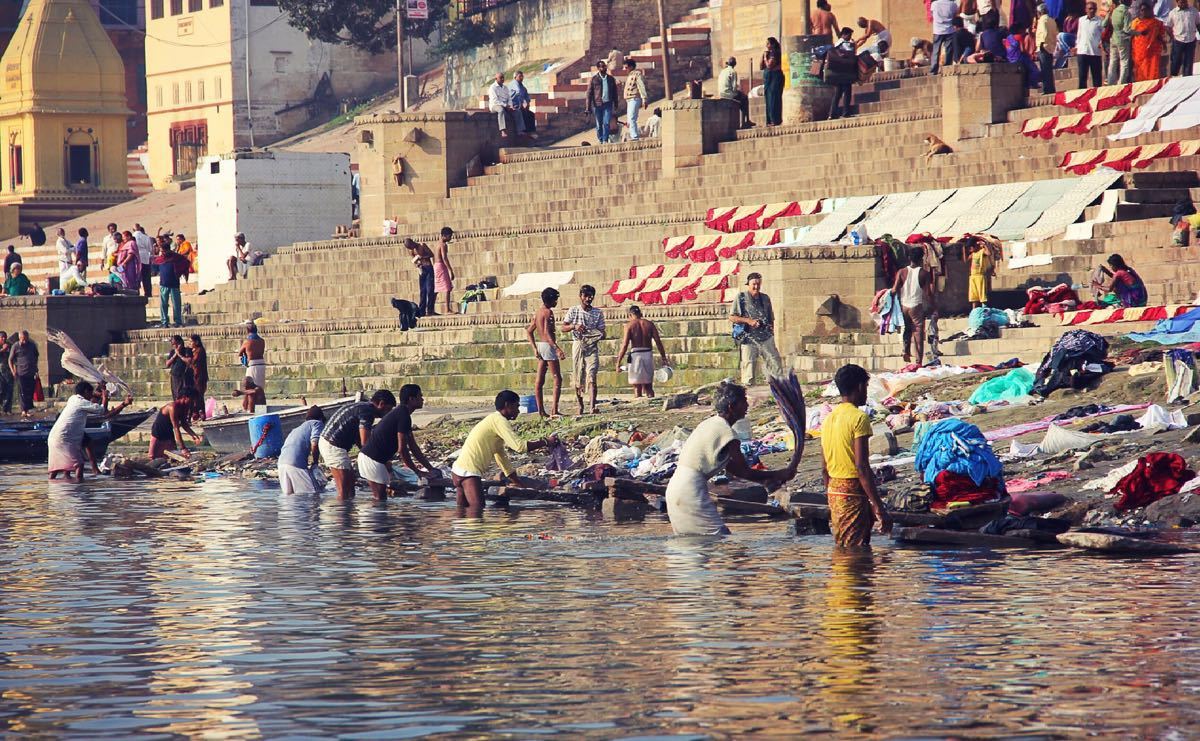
[(227, 608)]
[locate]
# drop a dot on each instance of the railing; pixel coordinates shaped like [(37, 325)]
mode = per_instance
[(473, 7)]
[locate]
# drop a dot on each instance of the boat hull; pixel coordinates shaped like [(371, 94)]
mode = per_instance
[(231, 434)]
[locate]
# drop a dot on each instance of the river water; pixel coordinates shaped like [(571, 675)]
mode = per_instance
[(225, 608)]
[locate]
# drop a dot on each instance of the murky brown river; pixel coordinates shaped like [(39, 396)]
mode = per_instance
[(227, 609)]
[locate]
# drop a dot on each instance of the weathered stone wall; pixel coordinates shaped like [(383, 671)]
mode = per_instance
[(571, 31), (92, 322)]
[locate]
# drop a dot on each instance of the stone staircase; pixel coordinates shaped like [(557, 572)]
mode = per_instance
[(139, 180), (560, 112), (598, 211)]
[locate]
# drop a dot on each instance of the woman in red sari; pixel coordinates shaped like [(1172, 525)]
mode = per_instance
[(1148, 36)]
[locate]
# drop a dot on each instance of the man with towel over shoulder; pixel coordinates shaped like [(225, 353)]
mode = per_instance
[(639, 333)]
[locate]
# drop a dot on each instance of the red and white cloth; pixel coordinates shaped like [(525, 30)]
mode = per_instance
[(1049, 127), (1126, 158), (1133, 314), (1110, 96), (746, 218)]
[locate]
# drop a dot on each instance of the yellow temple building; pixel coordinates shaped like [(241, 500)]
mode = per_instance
[(63, 116)]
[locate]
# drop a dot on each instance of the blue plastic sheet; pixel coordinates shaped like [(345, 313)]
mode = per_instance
[(1014, 384)]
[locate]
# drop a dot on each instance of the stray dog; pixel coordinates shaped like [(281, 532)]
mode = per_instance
[(936, 146)]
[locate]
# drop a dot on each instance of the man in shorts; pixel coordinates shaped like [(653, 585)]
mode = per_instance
[(393, 434), (545, 348), (351, 425), (586, 324), (486, 444)]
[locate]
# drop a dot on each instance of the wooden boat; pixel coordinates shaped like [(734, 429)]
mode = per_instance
[(231, 433), (25, 440)]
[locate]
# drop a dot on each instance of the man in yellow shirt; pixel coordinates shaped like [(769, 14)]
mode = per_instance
[(486, 443), (1047, 40), (854, 504)]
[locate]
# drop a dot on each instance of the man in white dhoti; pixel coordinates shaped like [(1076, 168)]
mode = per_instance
[(639, 334), (714, 446), (251, 354), (66, 436)]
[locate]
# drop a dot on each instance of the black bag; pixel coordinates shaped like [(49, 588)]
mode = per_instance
[(841, 66)]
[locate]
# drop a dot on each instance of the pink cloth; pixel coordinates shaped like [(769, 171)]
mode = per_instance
[(1007, 433), (441, 278)]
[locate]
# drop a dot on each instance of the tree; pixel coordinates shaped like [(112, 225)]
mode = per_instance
[(364, 24)]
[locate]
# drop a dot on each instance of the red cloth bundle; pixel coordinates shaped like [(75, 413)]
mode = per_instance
[(1156, 475), (949, 488)]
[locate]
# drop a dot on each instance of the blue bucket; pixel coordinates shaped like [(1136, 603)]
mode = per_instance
[(272, 443), (529, 405)]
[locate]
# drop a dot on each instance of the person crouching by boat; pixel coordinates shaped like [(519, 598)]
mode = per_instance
[(351, 425), (394, 434), (66, 436), (172, 420), (854, 504), (711, 447), (486, 443), (295, 471)]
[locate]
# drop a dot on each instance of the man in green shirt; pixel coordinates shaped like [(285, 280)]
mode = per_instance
[(17, 283), (1120, 63)]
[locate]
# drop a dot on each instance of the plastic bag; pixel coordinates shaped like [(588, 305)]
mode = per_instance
[(559, 459), (1014, 384)]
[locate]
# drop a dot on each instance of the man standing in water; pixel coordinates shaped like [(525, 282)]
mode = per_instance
[(486, 444), (854, 503), (351, 425), (546, 349), (251, 354), (639, 333), (586, 325), (394, 434)]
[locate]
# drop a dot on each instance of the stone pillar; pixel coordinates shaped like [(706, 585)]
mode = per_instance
[(408, 161), (691, 129), (805, 98), (974, 95)]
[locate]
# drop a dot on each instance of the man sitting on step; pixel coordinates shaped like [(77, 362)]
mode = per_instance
[(730, 88)]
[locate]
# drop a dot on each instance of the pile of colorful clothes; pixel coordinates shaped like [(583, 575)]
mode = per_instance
[(1077, 359), (957, 462)]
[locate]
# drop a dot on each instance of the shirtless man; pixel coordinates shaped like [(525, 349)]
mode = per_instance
[(251, 354), (639, 333), (871, 27), (824, 22), (251, 394), (422, 257), (443, 271), (546, 349)]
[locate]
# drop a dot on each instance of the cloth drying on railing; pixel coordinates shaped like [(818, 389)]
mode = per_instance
[(1126, 158), (709, 247), (1109, 96), (1049, 127), (745, 218)]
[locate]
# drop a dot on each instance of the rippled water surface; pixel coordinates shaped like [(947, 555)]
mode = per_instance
[(228, 609)]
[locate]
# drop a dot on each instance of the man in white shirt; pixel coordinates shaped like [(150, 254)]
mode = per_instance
[(1181, 23), (112, 242), (145, 247), (500, 103), (944, 12), (1088, 46), (729, 87), (64, 249)]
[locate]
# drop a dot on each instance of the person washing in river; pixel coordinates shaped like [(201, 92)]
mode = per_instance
[(66, 436), (711, 448), (394, 434)]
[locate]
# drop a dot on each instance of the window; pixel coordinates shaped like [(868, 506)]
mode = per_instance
[(158, 96), (189, 142), (470, 7), (176, 7), (187, 92), (16, 170), (283, 60), (195, 6), (175, 93), (263, 3), (218, 81), (215, 3), (156, 9), (200, 90), (79, 163)]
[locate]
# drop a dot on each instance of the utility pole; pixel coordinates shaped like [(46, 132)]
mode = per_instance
[(666, 58), (400, 55)]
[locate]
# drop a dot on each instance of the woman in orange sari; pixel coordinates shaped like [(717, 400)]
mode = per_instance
[(1148, 35)]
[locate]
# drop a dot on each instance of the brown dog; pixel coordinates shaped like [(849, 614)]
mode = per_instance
[(935, 146)]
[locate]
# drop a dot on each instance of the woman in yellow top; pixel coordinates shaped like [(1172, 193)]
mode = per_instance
[(486, 443), (854, 504), (981, 268), (185, 248)]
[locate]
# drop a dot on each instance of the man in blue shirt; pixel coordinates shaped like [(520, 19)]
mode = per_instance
[(171, 265)]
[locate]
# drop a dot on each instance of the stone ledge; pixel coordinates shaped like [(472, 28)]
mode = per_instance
[(878, 119), (413, 117), (509, 158), (458, 321), (975, 70), (815, 252)]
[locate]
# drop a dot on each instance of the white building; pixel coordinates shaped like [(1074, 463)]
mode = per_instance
[(274, 198)]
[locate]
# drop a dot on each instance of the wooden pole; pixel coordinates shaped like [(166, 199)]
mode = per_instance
[(666, 53), (400, 54)]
